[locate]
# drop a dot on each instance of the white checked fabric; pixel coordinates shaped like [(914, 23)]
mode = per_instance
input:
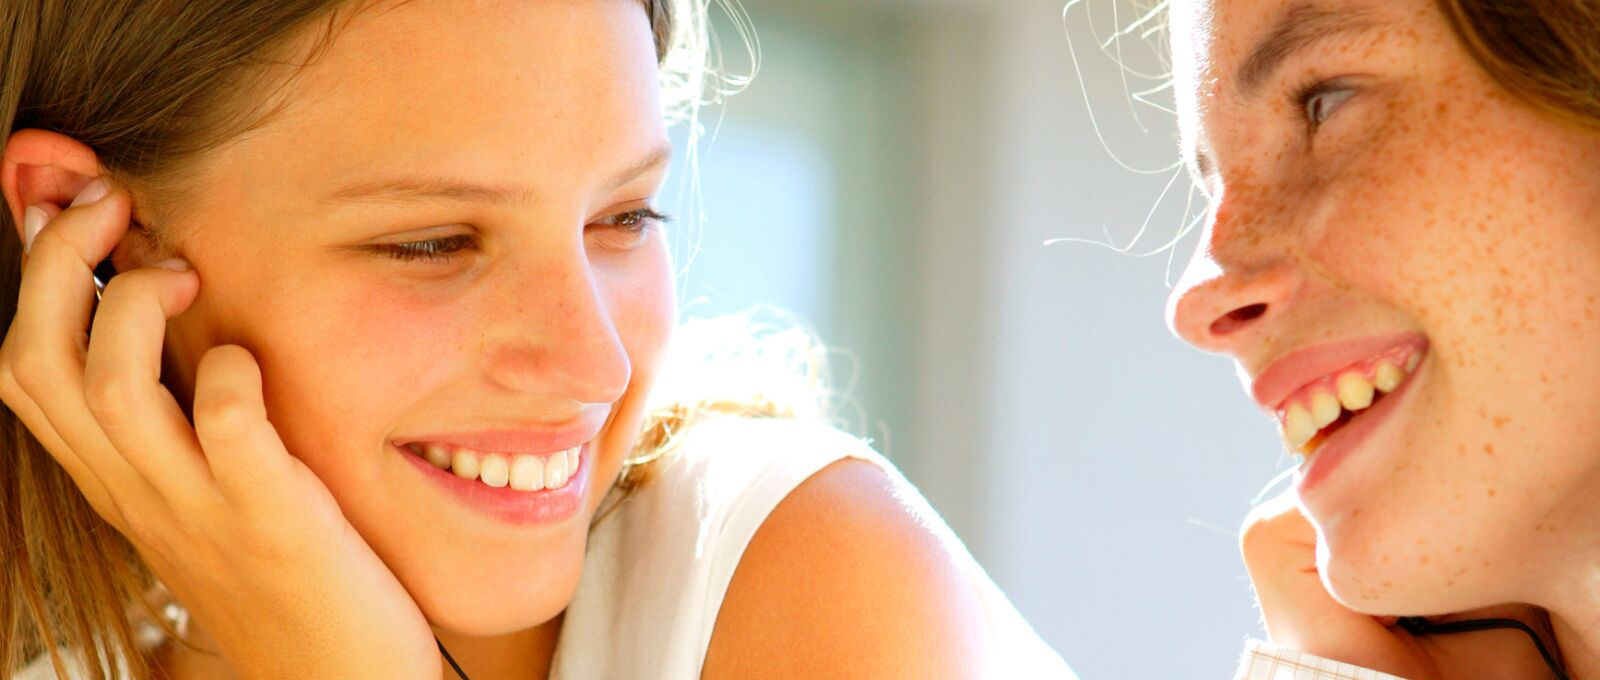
[(1266, 661)]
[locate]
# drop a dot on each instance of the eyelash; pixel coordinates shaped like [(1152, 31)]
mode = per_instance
[(633, 222)]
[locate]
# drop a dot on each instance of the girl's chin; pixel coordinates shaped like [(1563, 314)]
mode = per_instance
[(1397, 583), (493, 590), (489, 614)]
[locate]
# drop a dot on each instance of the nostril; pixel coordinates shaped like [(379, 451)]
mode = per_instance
[(1237, 319)]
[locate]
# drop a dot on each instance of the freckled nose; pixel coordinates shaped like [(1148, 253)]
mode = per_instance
[(1222, 313), (555, 335)]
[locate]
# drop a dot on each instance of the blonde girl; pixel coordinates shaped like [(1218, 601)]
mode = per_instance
[(386, 295)]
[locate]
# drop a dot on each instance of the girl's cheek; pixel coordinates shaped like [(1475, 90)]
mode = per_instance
[(646, 301), (393, 334), (1392, 209)]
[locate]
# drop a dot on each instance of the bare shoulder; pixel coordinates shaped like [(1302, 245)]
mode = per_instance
[(844, 580)]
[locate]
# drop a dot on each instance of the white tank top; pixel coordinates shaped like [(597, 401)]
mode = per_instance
[(658, 568), (661, 557)]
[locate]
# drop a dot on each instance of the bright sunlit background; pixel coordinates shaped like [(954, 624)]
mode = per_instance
[(891, 177)]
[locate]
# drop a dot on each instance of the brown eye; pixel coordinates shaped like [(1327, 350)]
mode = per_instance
[(436, 249), (636, 220), (627, 230)]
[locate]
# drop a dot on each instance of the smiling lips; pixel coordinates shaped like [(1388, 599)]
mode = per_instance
[(1315, 410)]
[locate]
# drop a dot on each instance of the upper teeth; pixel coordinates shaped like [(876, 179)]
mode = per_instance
[(1320, 404), (522, 472)]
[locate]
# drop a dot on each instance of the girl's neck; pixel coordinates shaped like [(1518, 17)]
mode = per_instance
[(1572, 598), (1579, 640), (523, 655)]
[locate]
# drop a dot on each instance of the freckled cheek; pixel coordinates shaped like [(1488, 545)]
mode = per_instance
[(1372, 233), (1400, 225)]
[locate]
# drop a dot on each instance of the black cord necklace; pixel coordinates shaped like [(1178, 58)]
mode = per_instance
[(462, 673), (1417, 625)]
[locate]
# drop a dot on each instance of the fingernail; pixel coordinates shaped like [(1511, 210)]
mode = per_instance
[(95, 191), (32, 221), (176, 264)]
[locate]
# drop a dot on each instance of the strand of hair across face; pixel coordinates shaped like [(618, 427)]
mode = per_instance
[(451, 660), (1417, 625)]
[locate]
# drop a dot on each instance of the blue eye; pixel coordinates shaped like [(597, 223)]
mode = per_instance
[(435, 249), (1319, 101)]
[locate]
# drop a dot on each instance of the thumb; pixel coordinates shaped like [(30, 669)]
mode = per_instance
[(1280, 552), (247, 457)]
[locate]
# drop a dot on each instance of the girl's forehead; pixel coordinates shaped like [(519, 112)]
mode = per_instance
[(1225, 51), (1236, 44), (533, 91)]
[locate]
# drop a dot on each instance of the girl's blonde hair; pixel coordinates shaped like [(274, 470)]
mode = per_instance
[(151, 86)]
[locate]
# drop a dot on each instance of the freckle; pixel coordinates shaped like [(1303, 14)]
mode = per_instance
[(1491, 493), (1388, 584), (1489, 449), (1425, 560), (1450, 583)]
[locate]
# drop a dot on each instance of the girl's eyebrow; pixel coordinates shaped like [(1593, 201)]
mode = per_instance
[(413, 188), (1301, 26)]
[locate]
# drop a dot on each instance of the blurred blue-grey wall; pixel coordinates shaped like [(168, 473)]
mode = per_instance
[(891, 176)]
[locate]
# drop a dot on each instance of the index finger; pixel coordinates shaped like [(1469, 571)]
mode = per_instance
[(46, 346), (56, 296)]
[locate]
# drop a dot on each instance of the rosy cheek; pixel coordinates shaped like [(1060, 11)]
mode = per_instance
[(394, 335)]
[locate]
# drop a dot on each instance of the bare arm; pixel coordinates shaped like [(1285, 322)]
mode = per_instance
[(844, 581)]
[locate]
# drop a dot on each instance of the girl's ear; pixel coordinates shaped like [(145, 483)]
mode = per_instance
[(45, 167)]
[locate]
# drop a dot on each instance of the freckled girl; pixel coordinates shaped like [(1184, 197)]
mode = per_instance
[(1403, 256)]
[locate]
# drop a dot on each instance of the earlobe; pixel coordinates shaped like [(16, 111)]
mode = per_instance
[(39, 166)]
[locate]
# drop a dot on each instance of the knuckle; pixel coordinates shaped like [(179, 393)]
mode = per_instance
[(108, 396), (10, 392), (133, 524), (117, 290), (125, 290), (227, 415), (127, 285), (32, 377), (47, 243), (224, 358), (1268, 532), (265, 546), (1257, 535)]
